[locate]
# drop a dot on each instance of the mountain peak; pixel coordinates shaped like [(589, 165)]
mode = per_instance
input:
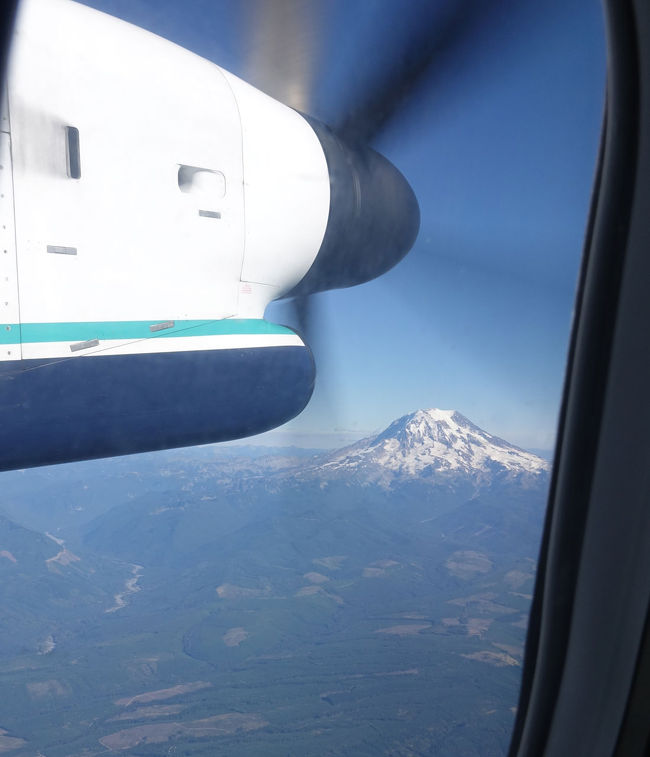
[(434, 425), (438, 445), (434, 413)]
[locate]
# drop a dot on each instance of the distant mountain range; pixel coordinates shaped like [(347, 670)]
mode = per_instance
[(437, 446), (432, 465), (340, 599)]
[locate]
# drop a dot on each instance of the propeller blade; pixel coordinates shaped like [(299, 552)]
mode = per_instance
[(304, 318), (283, 48), (436, 42), (426, 43)]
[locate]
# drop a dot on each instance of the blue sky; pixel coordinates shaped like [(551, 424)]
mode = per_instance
[(501, 154)]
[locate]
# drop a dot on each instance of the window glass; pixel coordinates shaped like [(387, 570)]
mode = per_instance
[(358, 581)]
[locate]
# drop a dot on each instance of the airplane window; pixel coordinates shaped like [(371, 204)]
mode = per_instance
[(350, 572)]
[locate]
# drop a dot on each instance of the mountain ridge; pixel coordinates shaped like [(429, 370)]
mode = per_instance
[(435, 445)]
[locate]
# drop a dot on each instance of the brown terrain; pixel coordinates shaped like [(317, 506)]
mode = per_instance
[(467, 564), (406, 629), (153, 696), (9, 743), (234, 637), (159, 733), (153, 711)]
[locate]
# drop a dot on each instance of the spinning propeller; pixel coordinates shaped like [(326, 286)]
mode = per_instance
[(379, 215)]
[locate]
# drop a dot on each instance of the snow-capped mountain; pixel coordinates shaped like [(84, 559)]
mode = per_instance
[(435, 445)]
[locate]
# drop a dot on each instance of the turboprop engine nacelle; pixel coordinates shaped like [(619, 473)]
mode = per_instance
[(154, 204)]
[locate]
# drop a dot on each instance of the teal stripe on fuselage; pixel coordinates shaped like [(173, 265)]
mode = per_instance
[(134, 330)]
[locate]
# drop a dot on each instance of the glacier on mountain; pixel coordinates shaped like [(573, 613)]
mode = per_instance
[(435, 445)]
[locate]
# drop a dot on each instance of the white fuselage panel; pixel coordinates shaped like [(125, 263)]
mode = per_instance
[(148, 183), (143, 107), (287, 189)]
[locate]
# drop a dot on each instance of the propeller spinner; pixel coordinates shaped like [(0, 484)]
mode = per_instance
[(373, 219)]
